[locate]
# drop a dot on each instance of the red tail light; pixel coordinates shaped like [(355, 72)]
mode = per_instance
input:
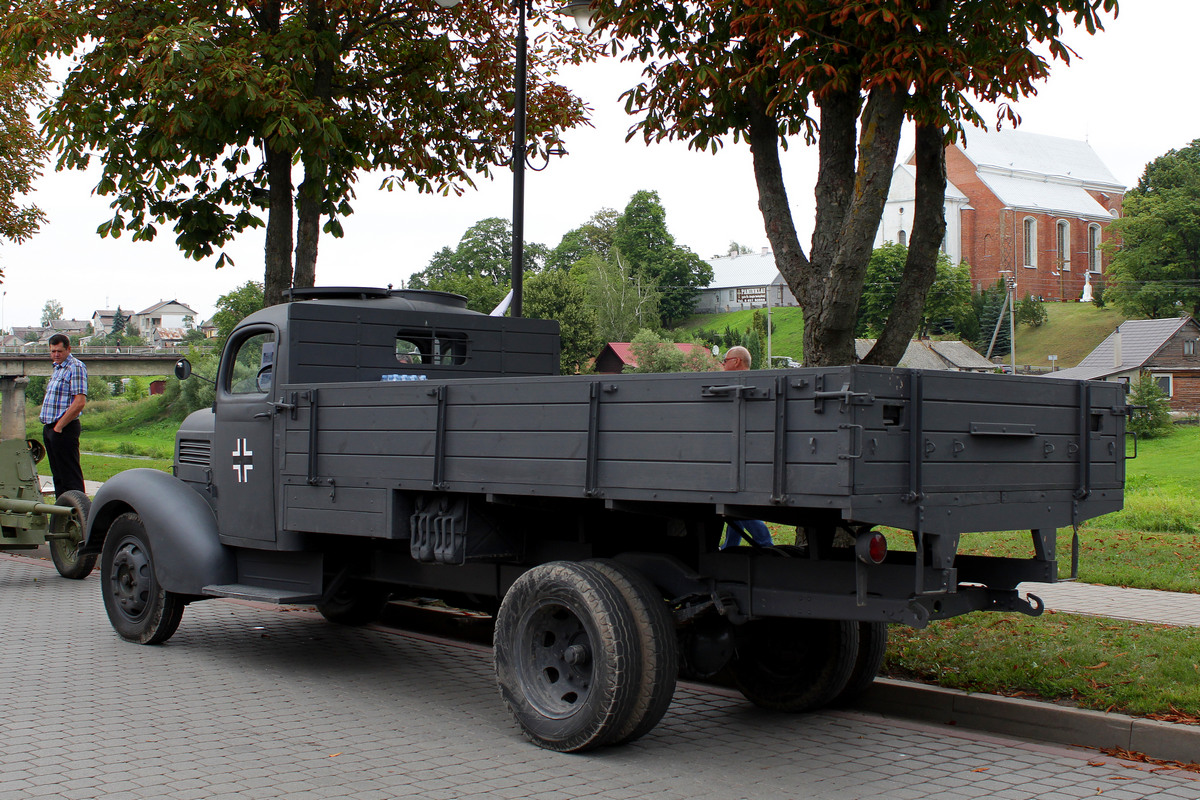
[(871, 548)]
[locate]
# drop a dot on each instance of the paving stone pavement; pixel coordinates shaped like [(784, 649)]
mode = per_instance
[(252, 702), (1141, 605)]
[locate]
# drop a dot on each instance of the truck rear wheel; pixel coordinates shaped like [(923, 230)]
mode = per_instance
[(794, 664), (355, 604), (138, 607), (65, 552), (655, 630), (566, 657), (872, 647)]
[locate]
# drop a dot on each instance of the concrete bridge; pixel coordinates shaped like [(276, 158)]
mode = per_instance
[(17, 365)]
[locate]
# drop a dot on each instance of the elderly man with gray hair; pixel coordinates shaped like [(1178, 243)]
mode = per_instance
[(738, 358)]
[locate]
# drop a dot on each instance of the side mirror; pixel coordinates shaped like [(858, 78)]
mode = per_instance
[(183, 369)]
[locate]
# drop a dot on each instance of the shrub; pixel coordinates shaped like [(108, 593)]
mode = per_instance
[(1031, 311), (1154, 417)]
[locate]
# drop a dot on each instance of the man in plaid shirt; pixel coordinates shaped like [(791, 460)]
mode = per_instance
[(66, 395)]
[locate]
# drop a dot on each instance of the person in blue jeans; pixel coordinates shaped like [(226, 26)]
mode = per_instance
[(736, 359), (756, 529), (66, 395)]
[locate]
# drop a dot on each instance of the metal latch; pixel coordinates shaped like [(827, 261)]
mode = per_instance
[(737, 390)]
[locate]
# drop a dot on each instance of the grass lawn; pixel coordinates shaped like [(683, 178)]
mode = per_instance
[(1104, 664), (101, 467)]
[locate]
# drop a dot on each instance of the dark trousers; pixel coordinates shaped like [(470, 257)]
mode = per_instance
[(63, 451)]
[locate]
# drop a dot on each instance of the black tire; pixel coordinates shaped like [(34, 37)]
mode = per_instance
[(65, 552), (656, 639), (566, 657), (139, 609), (872, 647), (355, 604), (794, 664)]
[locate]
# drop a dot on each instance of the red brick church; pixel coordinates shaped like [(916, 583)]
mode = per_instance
[(1035, 206)]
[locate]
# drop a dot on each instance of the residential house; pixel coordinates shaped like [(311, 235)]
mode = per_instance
[(744, 280), (102, 321), (1036, 207), (615, 356), (167, 337), (954, 356), (163, 314), (1167, 350), (42, 333)]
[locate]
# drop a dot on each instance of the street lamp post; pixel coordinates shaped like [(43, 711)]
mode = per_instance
[(518, 165), (580, 10)]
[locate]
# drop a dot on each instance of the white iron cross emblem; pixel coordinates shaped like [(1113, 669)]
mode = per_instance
[(243, 469)]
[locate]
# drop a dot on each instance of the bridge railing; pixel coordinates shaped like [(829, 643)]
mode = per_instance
[(148, 350)]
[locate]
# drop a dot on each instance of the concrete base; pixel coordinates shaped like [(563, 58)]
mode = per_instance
[(12, 407)]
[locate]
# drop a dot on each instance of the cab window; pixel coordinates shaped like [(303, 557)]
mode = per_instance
[(253, 365), (429, 346)]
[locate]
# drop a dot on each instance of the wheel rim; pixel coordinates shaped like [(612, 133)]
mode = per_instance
[(132, 579), (67, 548), (557, 668)]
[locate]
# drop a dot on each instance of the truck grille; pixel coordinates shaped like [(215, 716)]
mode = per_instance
[(195, 451)]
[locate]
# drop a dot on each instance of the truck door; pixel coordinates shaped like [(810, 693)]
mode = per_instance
[(243, 446)]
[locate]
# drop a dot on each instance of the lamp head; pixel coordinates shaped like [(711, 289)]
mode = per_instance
[(583, 14)]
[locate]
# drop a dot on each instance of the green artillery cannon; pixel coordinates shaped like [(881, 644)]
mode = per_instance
[(27, 521)]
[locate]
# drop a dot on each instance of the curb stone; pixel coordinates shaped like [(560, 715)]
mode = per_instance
[(1032, 719)]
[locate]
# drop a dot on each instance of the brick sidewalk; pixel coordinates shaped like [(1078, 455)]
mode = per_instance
[(247, 703)]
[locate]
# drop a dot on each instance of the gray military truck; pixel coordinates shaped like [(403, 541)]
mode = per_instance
[(370, 443)]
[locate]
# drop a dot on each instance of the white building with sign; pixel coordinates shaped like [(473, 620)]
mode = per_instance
[(749, 280)]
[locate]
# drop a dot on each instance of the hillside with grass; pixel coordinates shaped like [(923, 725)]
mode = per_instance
[(1071, 331), (787, 328)]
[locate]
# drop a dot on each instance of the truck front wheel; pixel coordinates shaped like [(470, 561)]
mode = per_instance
[(138, 607), (566, 657), (794, 664)]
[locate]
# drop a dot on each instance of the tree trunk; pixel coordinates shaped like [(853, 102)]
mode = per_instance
[(308, 226), (278, 273), (773, 201), (850, 202), (311, 197), (920, 268)]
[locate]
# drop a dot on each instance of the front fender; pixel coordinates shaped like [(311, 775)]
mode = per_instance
[(181, 528)]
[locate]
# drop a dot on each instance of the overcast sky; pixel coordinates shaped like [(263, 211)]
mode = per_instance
[(1125, 94)]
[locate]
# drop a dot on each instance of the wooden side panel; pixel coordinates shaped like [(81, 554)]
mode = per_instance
[(837, 438)]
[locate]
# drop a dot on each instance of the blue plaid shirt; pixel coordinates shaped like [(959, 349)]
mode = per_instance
[(68, 379)]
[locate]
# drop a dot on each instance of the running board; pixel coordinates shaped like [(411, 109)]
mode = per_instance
[(261, 594)]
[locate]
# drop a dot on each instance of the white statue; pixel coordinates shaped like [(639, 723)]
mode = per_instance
[(1087, 288)]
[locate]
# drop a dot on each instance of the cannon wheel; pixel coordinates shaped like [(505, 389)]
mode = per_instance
[(138, 607), (65, 552), (794, 664), (565, 656)]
